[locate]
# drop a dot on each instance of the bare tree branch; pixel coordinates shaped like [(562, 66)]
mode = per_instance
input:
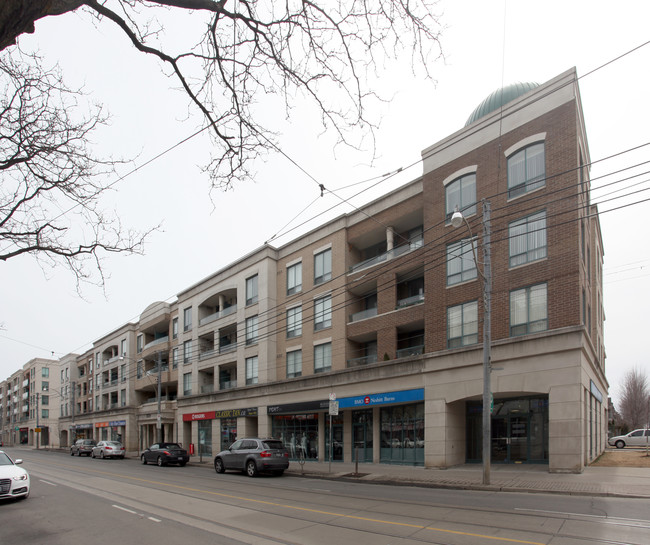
[(635, 399), (51, 183), (327, 52)]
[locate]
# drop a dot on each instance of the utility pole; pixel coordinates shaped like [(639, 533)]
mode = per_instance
[(159, 415), (38, 433), (487, 343), (72, 431)]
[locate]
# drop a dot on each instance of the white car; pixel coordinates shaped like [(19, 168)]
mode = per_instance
[(636, 438), (14, 480)]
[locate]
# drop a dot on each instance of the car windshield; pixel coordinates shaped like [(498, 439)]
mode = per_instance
[(272, 444), (5, 460), (171, 446), (113, 443)]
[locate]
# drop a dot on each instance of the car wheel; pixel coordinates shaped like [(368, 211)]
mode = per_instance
[(251, 468), (159, 461), (71, 452), (144, 460), (121, 457), (279, 472), (218, 465), (182, 464), (620, 444), (92, 454), (101, 454)]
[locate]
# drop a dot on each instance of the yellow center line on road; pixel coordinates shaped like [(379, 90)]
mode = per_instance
[(307, 509)]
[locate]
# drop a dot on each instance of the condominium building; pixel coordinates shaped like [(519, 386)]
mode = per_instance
[(29, 409), (362, 339)]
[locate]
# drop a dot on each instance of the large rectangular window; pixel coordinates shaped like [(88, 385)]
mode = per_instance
[(528, 310), (323, 313), (294, 278), (462, 325), (526, 170), (251, 330), (294, 322), (187, 352), (323, 266), (251, 290), (527, 239), (322, 357), (187, 384), (251, 370), (294, 364), (461, 194), (187, 319), (461, 266), (138, 344), (175, 328)]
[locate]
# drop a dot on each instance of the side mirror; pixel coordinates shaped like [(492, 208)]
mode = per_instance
[(19, 461)]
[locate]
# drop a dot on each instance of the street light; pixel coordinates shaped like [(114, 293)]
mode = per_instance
[(457, 219)]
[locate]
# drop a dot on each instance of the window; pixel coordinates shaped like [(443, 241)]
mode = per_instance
[(323, 313), (528, 312), (294, 364), (175, 358), (45, 386), (526, 170), (251, 330), (322, 357), (294, 278), (45, 400), (527, 239), (187, 384), (175, 328), (461, 194), (294, 322), (462, 325), (251, 290), (251, 370), (187, 319), (122, 398), (123, 372), (139, 344), (45, 372), (45, 413), (323, 266), (140, 369), (461, 266), (187, 352)]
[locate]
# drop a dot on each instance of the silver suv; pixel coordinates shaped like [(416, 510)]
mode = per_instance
[(253, 455), (82, 446)]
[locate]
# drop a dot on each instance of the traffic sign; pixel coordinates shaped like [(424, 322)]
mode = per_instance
[(334, 408)]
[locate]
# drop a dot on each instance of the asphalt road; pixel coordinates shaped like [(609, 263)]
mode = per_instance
[(100, 501)]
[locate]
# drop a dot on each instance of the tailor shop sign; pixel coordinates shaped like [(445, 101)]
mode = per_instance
[(405, 396), (212, 415)]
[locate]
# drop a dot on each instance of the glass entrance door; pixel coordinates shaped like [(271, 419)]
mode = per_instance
[(510, 438), (362, 435)]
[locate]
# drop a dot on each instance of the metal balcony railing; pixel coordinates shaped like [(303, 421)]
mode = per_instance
[(410, 351), (410, 301), (364, 360), (363, 315)]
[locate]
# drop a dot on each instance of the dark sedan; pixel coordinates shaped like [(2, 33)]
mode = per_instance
[(165, 453)]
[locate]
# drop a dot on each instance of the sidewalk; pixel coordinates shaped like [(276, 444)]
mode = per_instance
[(594, 481)]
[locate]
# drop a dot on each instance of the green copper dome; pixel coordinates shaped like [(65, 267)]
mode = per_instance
[(499, 98)]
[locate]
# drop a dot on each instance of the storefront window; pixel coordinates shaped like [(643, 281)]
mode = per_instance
[(298, 433), (228, 432), (336, 437), (205, 437), (402, 434), (362, 435)]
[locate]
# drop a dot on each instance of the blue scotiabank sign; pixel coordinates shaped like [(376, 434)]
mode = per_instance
[(404, 396)]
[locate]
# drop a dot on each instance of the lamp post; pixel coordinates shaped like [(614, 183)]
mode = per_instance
[(457, 219)]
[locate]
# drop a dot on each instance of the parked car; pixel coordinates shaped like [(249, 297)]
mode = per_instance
[(165, 453), (14, 480), (636, 438), (253, 455), (108, 449), (82, 446)]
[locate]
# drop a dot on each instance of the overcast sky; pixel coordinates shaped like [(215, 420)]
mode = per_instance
[(486, 45)]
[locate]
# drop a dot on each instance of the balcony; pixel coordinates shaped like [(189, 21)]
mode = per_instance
[(206, 354), (363, 315), (410, 301), (398, 251), (113, 359), (207, 388), (227, 384), (364, 360), (156, 342), (225, 348), (410, 351), (215, 316)]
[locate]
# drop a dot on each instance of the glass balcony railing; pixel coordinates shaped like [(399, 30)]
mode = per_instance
[(410, 351), (156, 342), (363, 315), (365, 360), (227, 384), (409, 301), (213, 317), (413, 244)]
